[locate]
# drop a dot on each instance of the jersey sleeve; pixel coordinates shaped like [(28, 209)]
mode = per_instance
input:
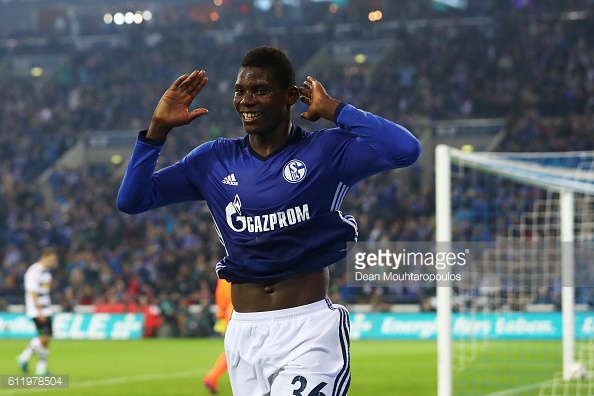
[(374, 145), (143, 189), (31, 280)]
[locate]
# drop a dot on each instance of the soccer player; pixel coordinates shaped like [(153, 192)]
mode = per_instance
[(275, 197), (38, 279), (224, 310)]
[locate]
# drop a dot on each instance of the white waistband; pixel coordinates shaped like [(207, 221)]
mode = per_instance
[(282, 313)]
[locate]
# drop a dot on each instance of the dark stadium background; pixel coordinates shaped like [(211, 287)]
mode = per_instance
[(499, 75)]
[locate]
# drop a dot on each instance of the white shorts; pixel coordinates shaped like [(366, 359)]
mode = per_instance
[(302, 351)]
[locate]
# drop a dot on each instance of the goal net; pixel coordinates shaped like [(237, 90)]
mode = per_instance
[(519, 320)]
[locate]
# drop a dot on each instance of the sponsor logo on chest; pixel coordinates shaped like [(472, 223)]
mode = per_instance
[(266, 222)]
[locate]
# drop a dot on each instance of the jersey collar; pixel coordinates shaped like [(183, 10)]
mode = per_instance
[(294, 136)]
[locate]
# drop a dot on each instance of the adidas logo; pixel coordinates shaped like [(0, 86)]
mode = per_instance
[(230, 180)]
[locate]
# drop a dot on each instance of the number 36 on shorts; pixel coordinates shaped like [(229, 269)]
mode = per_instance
[(301, 383)]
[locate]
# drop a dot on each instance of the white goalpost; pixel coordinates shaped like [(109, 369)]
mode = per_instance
[(511, 325), (443, 234)]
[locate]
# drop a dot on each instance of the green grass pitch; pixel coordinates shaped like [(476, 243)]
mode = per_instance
[(176, 367), (380, 368), (517, 367)]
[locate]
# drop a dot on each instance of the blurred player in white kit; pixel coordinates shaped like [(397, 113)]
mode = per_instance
[(38, 279)]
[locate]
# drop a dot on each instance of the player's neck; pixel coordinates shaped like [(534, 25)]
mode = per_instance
[(266, 144)]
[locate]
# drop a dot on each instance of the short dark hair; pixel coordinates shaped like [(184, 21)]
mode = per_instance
[(272, 58), (49, 251)]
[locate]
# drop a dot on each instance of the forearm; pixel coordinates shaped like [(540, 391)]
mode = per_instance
[(143, 189), (329, 109), (392, 141), (158, 132), (134, 193)]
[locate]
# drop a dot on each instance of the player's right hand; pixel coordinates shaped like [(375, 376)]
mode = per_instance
[(173, 109)]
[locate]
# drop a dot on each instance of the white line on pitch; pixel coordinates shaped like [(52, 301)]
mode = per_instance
[(112, 381), (524, 388), (138, 378)]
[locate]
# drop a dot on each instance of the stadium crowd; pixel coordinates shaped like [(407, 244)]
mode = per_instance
[(538, 75)]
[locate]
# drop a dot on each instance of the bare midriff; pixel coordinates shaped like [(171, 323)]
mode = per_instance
[(289, 292)]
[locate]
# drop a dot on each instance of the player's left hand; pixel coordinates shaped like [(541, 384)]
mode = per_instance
[(321, 105), (220, 326)]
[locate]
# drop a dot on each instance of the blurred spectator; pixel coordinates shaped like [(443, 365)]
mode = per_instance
[(170, 311), (152, 315), (200, 322), (543, 296)]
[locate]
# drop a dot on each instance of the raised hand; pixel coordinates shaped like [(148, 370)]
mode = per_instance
[(173, 109), (321, 105)]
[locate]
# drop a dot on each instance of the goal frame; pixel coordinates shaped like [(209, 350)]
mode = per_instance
[(443, 219)]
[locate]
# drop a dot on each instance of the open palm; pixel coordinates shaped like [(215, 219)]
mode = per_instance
[(173, 109)]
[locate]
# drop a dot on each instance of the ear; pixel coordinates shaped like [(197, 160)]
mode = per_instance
[(292, 95)]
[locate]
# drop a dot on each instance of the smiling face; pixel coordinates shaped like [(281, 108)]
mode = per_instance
[(262, 104)]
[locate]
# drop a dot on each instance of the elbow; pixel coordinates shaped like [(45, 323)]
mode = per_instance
[(411, 153), (126, 206), (415, 151)]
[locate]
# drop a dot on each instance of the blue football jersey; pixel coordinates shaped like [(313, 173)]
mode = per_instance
[(279, 215)]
